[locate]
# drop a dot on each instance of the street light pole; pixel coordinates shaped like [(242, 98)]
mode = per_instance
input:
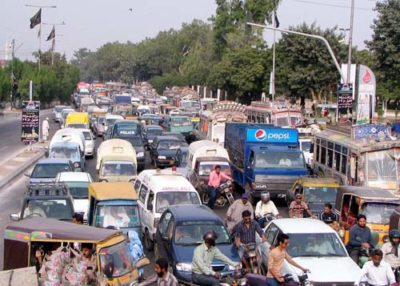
[(40, 27), (309, 36), (350, 42), (273, 61)]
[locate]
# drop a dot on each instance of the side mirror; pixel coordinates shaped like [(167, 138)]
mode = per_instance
[(312, 148), (150, 207), (27, 175), (14, 217)]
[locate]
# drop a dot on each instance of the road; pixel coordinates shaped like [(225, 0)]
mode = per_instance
[(11, 197), (10, 127)]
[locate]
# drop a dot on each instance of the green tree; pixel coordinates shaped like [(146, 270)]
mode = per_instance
[(385, 47)]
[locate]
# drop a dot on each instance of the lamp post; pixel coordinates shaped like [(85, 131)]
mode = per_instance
[(350, 42), (40, 28)]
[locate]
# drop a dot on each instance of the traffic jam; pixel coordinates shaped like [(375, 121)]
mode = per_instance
[(138, 188)]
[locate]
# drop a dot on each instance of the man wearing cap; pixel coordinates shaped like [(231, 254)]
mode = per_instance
[(204, 255), (45, 129), (298, 207), (264, 207), (234, 213)]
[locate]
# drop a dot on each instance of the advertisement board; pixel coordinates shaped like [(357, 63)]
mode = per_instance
[(272, 135), (366, 96), (30, 122)]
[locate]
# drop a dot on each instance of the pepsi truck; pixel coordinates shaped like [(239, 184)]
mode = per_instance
[(264, 158)]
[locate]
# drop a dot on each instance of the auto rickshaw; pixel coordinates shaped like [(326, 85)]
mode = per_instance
[(376, 204), (114, 204), (38, 241)]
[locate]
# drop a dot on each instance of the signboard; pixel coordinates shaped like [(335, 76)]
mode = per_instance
[(366, 97), (272, 135), (30, 122), (375, 131), (345, 99)]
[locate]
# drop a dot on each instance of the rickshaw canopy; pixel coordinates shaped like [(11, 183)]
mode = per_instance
[(111, 191)]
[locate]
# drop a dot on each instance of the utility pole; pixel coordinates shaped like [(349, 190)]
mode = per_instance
[(350, 42), (12, 71)]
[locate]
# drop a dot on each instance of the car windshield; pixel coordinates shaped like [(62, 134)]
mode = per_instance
[(118, 169), (306, 146), (101, 120), (111, 121), (178, 136), (77, 125), (87, 136), (382, 169), (49, 170), (118, 258), (166, 199), (127, 129), (59, 108), (135, 141), (50, 208), (282, 122), (178, 120), (206, 168), (118, 216), (279, 159), (191, 232), (320, 194), (315, 245), (154, 131), (78, 190), (65, 153), (378, 213), (169, 145)]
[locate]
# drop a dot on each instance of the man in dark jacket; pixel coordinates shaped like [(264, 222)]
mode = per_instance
[(360, 238)]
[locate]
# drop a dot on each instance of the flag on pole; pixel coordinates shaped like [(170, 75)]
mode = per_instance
[(52, 34), (276, 20), (53, 44), (36, 19)]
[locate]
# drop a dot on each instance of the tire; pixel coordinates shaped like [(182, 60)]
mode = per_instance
[(148, 243), (204, 198)]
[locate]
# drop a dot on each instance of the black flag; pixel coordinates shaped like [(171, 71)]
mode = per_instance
[(52, 34), (36, 19), (276, 20)]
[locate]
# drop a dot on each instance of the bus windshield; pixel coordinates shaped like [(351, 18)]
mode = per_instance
[(279, 159), (382, 169)]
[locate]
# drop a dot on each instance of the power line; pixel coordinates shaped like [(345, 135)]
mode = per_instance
[(332, 5)]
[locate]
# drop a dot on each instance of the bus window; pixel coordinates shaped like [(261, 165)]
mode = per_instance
[(344, 164), (337, 161), (323, 155), (330, 158)]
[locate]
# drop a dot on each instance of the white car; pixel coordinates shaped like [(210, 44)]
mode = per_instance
[(315, 246), (89, 142), (305, 146), (78, 184), (159, 189)]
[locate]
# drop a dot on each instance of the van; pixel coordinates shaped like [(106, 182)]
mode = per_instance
[(205, 148), (116, 161), (111, 119), (159, 189), (69, 135), (70, 151), (77, 120)]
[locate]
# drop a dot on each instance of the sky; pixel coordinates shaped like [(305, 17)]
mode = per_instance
[(92, 23)]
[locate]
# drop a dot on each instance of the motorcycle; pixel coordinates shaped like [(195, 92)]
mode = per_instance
[(250, 252), (224, 195), (265, 219), (255, 280)]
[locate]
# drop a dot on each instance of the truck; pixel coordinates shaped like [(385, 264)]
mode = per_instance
[(264, 158)]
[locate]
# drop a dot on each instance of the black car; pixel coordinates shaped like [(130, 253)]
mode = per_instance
[(180, 231), (49, 200), (164, 151), (149, 132)]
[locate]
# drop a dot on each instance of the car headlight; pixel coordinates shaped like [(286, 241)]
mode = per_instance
[(184, 267), (77, 164), (162, 157), (140, 154)]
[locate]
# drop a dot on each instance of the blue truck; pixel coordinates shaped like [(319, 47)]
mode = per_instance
[(264, 158)]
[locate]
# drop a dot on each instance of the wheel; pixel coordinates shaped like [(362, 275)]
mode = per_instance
[(148, 243), (204, 197), (230, 198)]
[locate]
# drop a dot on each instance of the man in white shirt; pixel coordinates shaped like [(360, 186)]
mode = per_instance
[(377, 272), (265, 206)]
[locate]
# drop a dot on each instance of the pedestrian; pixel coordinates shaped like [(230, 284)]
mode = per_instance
[(161, 277), (45, 129), (234, 213), (297, 208)]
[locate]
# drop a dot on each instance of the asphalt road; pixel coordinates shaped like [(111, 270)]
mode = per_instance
[(11, 197)]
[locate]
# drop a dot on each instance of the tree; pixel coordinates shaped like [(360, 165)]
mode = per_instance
[(385, 47), (304, 65)]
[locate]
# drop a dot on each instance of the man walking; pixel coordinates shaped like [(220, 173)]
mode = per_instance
[(45, 129)]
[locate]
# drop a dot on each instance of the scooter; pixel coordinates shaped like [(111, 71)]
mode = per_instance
[(253, 258)]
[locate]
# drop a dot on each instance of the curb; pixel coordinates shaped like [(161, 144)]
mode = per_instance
[(10, 177)]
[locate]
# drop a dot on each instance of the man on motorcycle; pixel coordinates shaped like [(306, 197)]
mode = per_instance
[(204, 254), (214, 181), (234, 213), (245, 233), (276, 259), (264, 207), (360, 238), (376, 271), (391, 249)]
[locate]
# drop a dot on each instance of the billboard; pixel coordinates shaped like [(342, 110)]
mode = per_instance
[(345, 100), (272, 135), (30, 122), (366, 96)]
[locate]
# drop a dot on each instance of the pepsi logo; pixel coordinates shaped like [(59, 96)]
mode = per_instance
[(261, 135)]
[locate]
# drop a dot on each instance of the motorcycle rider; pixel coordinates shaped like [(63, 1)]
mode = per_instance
[(214, 181), (360, 238), (265, 206), (234, 213), (204, 254), (245, 233), (391, 249), (276, 259)]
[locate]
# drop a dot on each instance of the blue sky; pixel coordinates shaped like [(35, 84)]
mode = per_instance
[(92, 23)]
